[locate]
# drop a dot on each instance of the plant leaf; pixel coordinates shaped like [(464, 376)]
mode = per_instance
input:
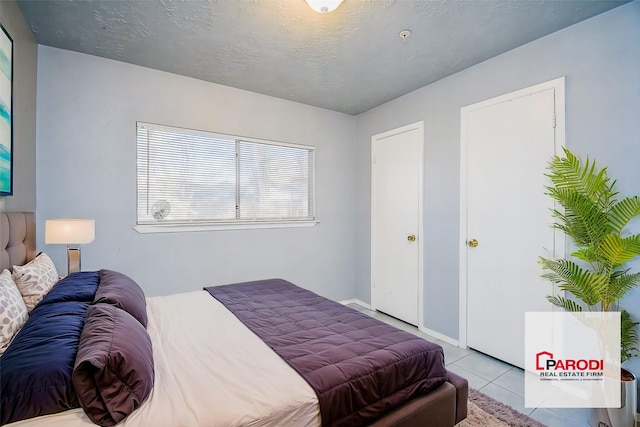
[(623, 212), (588, 286), (618, 250), (628, 336), (586, 254), (568, 172), (620, 283), (565, 303), (582, 219)]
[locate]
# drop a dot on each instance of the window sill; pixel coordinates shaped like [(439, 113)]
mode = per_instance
[(184, 228)]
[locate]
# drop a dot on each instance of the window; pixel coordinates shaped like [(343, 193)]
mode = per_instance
[(193, 177)]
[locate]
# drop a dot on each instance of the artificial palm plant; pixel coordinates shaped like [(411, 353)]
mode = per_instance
[(595, 220)]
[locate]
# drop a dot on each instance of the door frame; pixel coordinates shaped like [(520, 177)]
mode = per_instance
[(559, 242), (420, 240)]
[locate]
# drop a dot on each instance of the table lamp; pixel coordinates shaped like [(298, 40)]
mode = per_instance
[(70, 231)]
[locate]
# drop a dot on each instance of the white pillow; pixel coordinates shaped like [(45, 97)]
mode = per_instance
[(35, 279), (13, 312)]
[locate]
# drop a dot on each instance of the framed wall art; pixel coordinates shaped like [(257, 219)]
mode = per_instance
[(6, 113)]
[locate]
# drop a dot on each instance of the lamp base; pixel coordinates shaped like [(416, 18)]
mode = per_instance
[(73, 260)]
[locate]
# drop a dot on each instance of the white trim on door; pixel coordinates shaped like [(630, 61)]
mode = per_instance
[(420, 241), (559, 90)]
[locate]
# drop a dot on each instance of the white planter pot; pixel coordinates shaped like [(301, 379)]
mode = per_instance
[(618, 417)]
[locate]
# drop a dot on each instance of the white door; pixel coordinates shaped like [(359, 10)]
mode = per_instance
[(509, 142), (396, 241)]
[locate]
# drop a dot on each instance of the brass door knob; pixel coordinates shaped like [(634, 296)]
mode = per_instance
[(411, 238), (472, 243)]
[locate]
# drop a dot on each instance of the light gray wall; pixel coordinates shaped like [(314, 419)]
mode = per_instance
[(600, 58), (25, 55), (87, 113)]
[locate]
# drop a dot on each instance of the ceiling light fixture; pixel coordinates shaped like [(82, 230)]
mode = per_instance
[(324, 6)]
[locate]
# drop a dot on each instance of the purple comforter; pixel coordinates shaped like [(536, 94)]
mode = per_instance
[(358, 366)]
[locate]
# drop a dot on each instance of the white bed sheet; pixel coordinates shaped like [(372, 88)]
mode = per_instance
[(210, 370)]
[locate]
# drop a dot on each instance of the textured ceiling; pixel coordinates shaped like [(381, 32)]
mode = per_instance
[(350, 60)]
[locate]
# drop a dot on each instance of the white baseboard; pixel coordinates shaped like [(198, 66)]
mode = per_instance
[(363, 304), (356, 301), (439, 336)]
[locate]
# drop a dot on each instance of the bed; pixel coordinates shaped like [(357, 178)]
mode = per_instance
[(206, 367)]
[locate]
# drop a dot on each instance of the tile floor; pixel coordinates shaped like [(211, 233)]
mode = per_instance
[(495, 378)]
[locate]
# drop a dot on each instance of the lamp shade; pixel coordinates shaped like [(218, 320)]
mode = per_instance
[(324, 6), (69, 231)]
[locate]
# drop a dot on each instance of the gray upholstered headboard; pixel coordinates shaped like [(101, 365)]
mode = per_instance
[(17, 238)]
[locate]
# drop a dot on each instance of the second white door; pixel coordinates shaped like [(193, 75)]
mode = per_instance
[(509, 142), (397, 159)]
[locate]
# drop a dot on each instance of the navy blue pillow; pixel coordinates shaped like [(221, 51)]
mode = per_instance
[(38, 365), (79, 286)]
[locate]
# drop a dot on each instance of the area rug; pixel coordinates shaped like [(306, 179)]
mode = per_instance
[(483, 411)]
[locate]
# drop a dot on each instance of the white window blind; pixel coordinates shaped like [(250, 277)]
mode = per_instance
[(187, 176)]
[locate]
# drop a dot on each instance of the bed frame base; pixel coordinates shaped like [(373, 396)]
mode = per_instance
[(445, 406)]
